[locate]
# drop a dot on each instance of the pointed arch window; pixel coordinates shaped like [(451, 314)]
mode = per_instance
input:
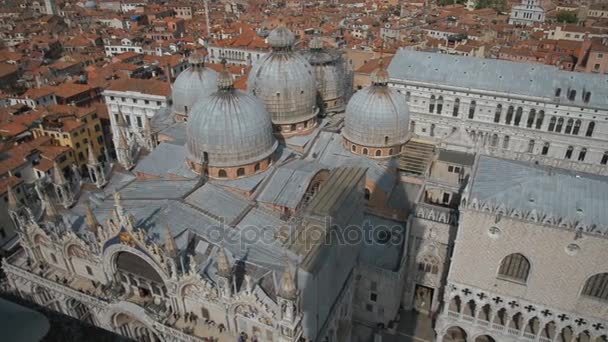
[(539, 120), (509, 115), (514, 267), (531, 146), (518, 115), (531, 117), (545, 150), (569, 125), (597, 287), (497, 113), (569, 152), (552, 122), (456, 107), (560, 123), (582, 154), (472, 109), (590, 129), (439, 104), (577, 127), (378, 153), (432, 104)]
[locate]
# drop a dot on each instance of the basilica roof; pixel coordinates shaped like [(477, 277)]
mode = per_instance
[(284, 81), (377, 115), (191, 84), (229, 128)]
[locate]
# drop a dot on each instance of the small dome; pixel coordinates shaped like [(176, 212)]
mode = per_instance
[(281, 37), (330, 72), (377, 116), (229, 128), (192, 84), (284, 81), (90, 4)]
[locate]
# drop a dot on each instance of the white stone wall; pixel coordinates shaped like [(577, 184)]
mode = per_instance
[(556, 278), (440, 125)]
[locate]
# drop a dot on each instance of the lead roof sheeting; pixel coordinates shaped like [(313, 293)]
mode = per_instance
[(177, 132), (166, 159), (158, 189), (455, 157), (289, 183), (497, 75), (552, 191), (218, 202)]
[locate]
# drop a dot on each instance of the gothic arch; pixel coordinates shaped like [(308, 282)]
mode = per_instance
[(111, 253)]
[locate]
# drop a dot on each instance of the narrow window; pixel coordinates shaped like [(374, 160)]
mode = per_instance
[(378, 153), (604, 160), (582, 154), (505, 142), (545, 150), (456, 107), (364, 151), (518, 115), (494, 141), (440, 105), (572, 95), (497, 113), (432, 104), (590, 129), (596, 287), (577, 127), (539, 120), (569, 125), (472, 109), (569, 152), (89, 270), (531, 146), (509, 115), (552, 124), (531, 117), (560, 123), (222, 174)]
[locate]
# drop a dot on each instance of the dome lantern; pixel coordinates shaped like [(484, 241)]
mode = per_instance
[(192, 84)]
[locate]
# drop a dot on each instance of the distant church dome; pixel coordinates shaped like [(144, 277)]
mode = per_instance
[(229, 132), (90, 4), (330, 75), (377, 119), (284, 81), (192, 84)]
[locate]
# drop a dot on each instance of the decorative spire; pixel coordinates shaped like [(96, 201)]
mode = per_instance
[(170, 246), (287, 288), (51, 211), (13, 203), (90, 219), (58, 177), (223, 265), (92, 160), (224, 79)]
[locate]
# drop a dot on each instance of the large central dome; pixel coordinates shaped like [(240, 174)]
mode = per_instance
[(285, 82), (377, 119), (229, 133), (192, 84)]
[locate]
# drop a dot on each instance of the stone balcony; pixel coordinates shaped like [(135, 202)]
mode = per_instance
[(473, 314)]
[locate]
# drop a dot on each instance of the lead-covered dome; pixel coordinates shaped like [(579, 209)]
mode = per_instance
[(377, 116), (284, 81), (192, 84), (330, 75), (229, 128)]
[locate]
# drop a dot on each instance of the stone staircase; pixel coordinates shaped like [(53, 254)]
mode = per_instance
[(416, 156)]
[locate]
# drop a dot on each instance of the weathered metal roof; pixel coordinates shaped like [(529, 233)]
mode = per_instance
[(165, 160), (191, 85), (500, 76), (289, 183), (377, 116), (229, 128)]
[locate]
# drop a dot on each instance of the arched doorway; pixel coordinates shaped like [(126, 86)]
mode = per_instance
[(485, 338), (455, 334), (131, 327), (139, 277)]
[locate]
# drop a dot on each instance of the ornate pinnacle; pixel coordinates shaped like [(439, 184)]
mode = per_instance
[(12, 199), (51, 211), (287, 288), (58, 177), (90, 218), (92, 160), (223, 265), (170, 246)]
